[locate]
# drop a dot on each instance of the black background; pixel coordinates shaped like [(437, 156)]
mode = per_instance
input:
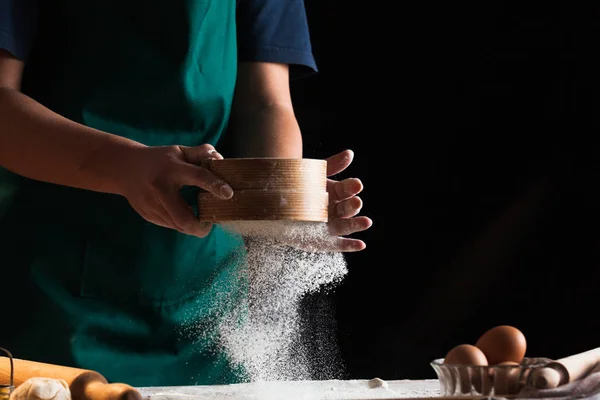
[(474, 127)]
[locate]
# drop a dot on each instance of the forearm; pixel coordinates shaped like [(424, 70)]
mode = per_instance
[(42, 145), (269, 131)]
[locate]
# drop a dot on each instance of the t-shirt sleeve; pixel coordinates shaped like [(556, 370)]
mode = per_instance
[(275, 31), (17, 23)]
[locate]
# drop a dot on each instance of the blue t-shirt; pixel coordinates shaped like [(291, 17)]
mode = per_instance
[(267, 30)]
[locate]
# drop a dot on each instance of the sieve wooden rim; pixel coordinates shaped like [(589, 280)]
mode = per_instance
[(290, 205), (271, 173)]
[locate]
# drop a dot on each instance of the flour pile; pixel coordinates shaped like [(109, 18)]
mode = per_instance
[(261, 335)]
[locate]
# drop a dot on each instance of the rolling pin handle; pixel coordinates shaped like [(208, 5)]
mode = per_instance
[(93, 386)]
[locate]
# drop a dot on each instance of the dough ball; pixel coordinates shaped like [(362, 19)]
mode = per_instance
[(42, 389), (376, 383)]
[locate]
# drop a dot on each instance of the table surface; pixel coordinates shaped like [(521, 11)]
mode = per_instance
[(299, 390)]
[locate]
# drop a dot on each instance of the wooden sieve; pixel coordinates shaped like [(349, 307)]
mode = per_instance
[(268, 189)]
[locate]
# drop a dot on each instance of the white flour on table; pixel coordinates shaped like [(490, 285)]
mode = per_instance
[(300, 390)]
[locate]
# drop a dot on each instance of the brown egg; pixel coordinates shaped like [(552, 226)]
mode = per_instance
[(503, 343), (465, 354), (506, 380)]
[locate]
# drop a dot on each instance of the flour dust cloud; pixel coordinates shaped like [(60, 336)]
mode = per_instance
[(261, 333)]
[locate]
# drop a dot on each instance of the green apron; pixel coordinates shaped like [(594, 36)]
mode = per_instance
[(86, 281)]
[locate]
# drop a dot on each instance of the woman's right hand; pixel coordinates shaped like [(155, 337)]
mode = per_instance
[(152, 177)]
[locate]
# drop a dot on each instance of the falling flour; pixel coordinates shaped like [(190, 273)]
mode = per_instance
[(261, 335)]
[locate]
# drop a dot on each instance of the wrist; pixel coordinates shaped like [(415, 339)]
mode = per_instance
[(109, 165)]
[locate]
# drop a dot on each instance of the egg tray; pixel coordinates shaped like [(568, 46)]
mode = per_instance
[(474, 381)]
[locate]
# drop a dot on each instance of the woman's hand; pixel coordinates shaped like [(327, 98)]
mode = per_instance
[(344, 205), (153, 176)]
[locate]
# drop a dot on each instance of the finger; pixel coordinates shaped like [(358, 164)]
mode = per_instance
[(344, 227), (155, 219), (339, 162), (343, 190), (160, 221), (349, 245), (157, 212), (199, 154), (346, 209), (192, 175), (183, 217), (345, 245), (332, 245)]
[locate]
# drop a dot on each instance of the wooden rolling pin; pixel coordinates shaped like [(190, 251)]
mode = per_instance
[(565, 370), (84, 384)]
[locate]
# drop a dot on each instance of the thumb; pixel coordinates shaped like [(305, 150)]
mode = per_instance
[(200, 177), (339, 162)]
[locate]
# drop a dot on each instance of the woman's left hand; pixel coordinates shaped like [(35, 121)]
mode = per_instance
[(344, 205)]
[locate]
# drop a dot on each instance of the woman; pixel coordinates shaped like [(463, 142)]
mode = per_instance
[(107, 110)]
